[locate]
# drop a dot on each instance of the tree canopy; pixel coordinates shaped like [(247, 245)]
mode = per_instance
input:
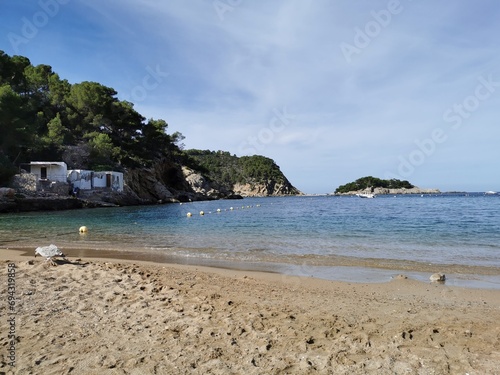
[(44, 116), (373, 182)]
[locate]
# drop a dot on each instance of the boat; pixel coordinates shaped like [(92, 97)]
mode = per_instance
[(366, 195), (490, 193)]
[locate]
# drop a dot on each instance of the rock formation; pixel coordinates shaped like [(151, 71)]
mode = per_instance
[(263, 189), (164, 182), (385, 191)]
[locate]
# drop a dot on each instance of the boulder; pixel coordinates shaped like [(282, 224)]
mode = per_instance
[(7, 193)]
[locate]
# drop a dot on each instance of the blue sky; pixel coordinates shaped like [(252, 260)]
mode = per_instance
[(331, 90)]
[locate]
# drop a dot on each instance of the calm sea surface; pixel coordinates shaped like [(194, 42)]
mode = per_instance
[(346, 238)]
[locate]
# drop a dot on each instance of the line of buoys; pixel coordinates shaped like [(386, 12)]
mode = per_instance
[(202, 213)]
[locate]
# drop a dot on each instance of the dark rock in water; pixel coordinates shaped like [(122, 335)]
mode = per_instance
[(234, 196), (48, 203)]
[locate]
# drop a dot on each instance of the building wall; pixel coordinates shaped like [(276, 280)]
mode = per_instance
[(117, 181), (111, 180), (55, 172), (80, 178), (99, 180), (89, 180)]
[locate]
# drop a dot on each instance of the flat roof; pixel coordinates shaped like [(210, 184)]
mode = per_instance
[(61, 163)]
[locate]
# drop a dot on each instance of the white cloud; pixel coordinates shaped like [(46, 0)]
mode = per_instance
[(227, 76)]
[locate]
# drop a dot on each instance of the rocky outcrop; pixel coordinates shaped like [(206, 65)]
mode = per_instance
[(268, 188), (49, 203), (385, 191), (169, 182), (200, 185), (165, 182), (159, 184), (24, 183), (414, 190)]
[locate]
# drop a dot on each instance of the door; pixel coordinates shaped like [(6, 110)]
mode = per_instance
[(43, 173)]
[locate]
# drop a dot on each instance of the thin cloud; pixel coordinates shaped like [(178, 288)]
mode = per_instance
[(229, 73)]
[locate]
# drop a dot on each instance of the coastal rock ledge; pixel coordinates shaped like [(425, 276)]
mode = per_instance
[(386, 191)]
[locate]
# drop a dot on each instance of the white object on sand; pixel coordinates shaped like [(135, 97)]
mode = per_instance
[(49, 252), (438, 277)]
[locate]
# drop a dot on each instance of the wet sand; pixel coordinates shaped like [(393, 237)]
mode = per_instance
[(129, 316)]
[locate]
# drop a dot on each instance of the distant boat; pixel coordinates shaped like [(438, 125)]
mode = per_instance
[(490, 192), (366, 195)]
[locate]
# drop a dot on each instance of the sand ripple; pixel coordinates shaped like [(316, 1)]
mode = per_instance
[(98, 317)]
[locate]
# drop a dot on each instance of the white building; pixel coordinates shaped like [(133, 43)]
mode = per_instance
[(53, 171), (54, 176), (90, 180), (80, 178), (47, 176)]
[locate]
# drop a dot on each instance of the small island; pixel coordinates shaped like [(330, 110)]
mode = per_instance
[(377, 186)]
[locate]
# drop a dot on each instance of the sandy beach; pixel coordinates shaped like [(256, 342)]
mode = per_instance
[(122, 316)]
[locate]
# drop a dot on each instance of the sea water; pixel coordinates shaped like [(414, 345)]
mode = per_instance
[(336, 237)]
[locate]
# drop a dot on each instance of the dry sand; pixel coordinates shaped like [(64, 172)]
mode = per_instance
[(93, 316)]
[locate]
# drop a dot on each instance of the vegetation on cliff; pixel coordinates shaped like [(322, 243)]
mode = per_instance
[(227, 170), (373, 182), (44, 117)]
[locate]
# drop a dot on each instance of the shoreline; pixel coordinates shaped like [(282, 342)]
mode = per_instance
[(351, 270), (114, 316)]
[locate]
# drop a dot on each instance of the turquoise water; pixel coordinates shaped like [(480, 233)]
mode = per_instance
[(303, 235)]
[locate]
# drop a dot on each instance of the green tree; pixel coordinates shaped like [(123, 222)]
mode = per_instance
[(59, 92), (85, 102), (15, 74), (373, 182), (56, 131), (37, 82), (102, 152), (42, 115), (177, 138), (14, 129)]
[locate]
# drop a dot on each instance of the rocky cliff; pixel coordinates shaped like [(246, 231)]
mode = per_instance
[(201, 185), (165, 181), (208, 175), (221, 174), (264, 189)]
